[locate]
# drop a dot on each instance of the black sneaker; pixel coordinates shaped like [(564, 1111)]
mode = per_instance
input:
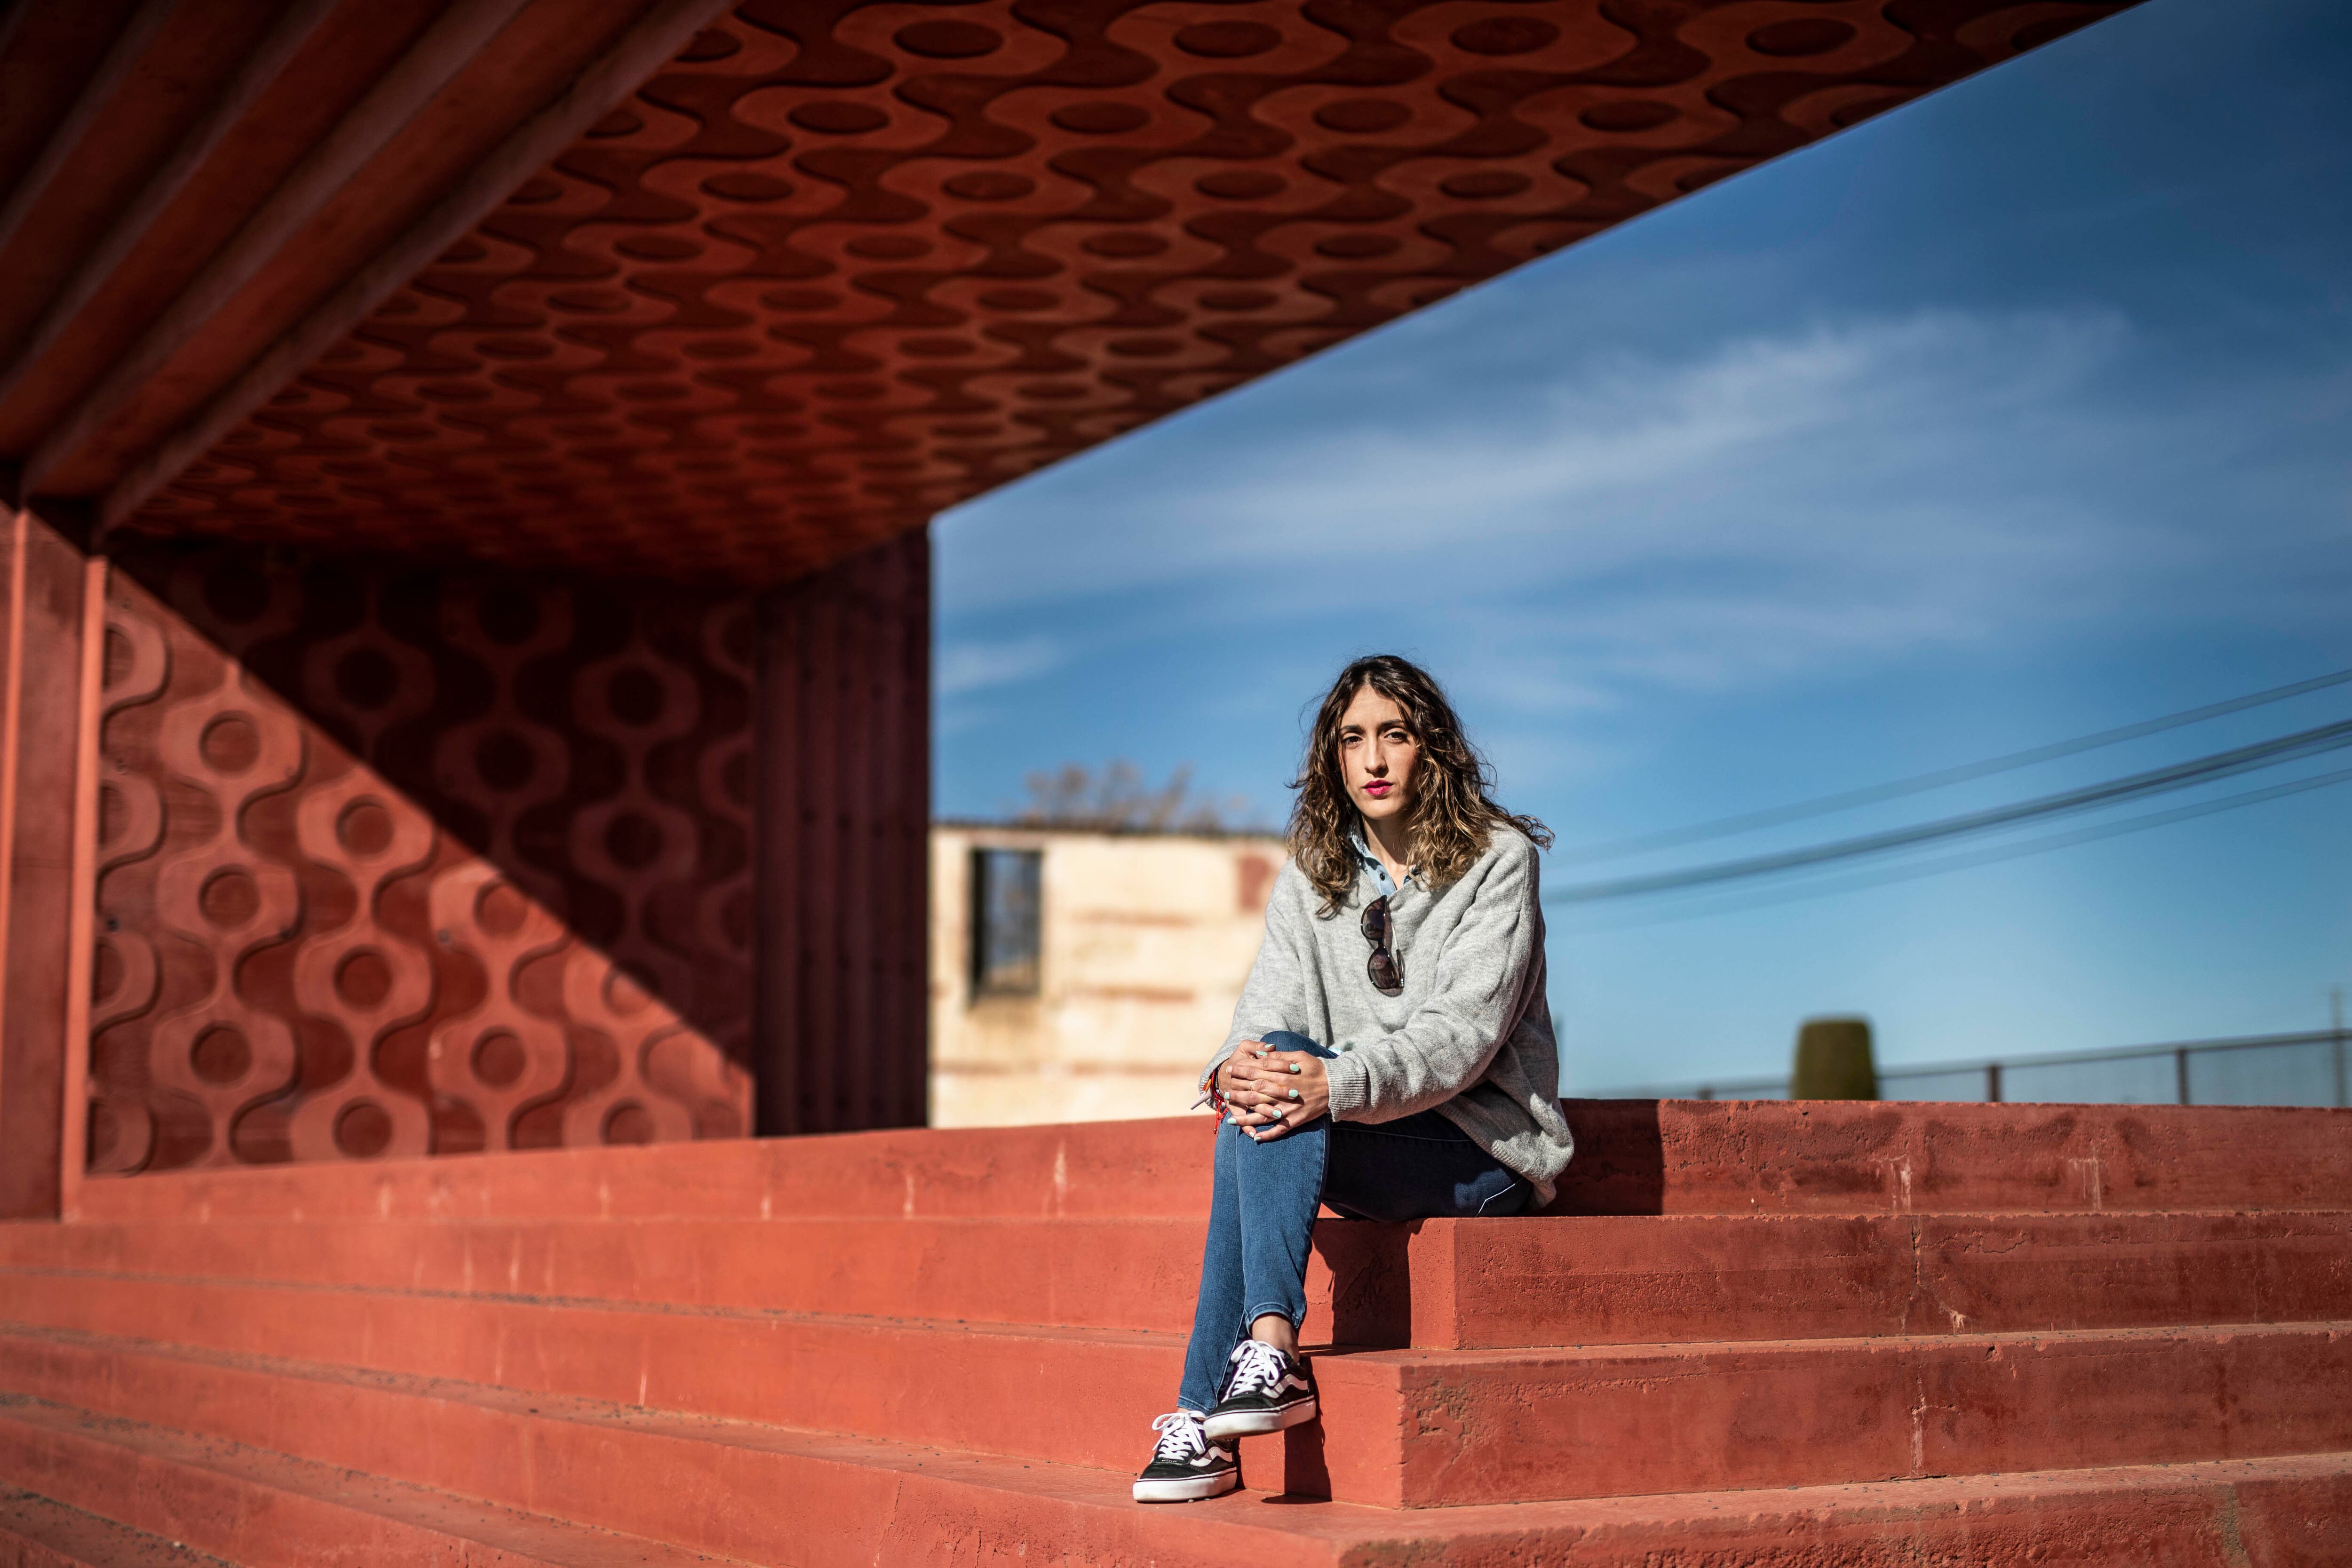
[(1187, 1466), (1267, 1390)]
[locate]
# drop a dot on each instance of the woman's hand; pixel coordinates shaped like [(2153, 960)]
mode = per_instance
[(1273, 1092)]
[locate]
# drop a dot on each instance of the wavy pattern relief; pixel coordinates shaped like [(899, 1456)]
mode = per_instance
[(456, 893), (839, 266)]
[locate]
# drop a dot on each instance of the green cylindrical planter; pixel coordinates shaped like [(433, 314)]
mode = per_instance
[(1833, 1060)]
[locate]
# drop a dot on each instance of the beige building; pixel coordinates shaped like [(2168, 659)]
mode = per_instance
[(1082, 975)]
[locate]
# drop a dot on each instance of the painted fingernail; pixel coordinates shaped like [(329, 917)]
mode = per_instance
[(1295, 1068), (1293, 1094)]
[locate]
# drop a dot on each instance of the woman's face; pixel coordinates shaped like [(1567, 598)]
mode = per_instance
[(1378, 755)]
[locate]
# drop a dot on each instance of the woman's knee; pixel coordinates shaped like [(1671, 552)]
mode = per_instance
[(1290, 1040), (1301, 1150)]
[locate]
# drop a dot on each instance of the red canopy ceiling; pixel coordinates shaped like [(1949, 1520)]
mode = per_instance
[(834, 267)]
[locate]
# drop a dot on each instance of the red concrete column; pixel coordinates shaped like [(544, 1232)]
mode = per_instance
[(45, 832), (843, 735)]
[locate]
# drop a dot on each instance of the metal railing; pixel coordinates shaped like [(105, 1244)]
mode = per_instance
[(2254, 1069)]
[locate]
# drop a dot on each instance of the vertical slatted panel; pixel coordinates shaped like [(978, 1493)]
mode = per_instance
[(844, 816), (905, 995), (45, 595)]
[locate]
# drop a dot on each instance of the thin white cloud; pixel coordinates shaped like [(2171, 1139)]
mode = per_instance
[(1859, 489), (965, 667), (1627, 463), (1847, 490), (1633, 455)]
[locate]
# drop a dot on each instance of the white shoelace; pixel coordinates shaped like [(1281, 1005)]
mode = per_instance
[(1257, 1369), (1180, 1435)]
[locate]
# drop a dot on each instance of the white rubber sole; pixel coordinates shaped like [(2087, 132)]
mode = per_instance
[(1258, 1423), (1189, 1489)]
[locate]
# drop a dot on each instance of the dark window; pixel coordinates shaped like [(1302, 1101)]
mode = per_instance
[(1005, 901)]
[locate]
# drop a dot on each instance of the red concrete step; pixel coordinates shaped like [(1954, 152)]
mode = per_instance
[(1495, 1284), (775, 1494), (1634, 1157), (1107, 1273), (40, 1533), (1411, 1429), (1684, 1156), (1080, 1273), (1084, 1395), (1434, 1428), (1105, 1168), (269, 1509), (1445, 1284)]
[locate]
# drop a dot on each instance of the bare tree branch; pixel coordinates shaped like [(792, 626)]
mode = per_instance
[(1118, 799)]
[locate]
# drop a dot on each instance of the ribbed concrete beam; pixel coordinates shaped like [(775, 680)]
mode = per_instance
[(660, 34), (440, 54), (259, 70), (128, 47)]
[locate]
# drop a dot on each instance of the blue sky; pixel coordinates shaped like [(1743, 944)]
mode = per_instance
[(2018, 413)]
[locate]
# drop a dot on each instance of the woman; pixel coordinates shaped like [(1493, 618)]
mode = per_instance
[(1391, 1055)]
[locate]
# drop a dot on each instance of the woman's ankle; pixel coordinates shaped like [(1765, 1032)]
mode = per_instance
[(1277, 1331)]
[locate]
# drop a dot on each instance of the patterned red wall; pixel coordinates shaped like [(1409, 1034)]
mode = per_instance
[(404, 861)]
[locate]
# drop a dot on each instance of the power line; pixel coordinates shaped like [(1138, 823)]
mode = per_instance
[(2000, 852), (2156, 780), (1870, 794)]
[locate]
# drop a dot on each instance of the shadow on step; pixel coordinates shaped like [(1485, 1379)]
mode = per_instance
[(1619, 1169), (1620, 1159), (1371, 1283), (1370, 1308), (1305, 1477)]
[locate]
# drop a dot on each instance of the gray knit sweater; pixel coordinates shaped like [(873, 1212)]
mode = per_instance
[(1470, 1035)]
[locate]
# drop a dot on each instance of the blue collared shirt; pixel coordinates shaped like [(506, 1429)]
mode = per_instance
[(1372, 863)]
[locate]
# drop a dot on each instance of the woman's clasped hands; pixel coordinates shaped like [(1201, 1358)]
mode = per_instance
[(1269, 1092)]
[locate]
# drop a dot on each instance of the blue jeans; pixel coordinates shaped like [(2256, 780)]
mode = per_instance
[(1262, 1212)]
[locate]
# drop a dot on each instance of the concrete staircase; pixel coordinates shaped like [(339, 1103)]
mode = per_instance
[(1747, 1333)]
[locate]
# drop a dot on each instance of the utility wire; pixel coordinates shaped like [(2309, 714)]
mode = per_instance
[(1870, 794), (1997, 853), (2156, 780)]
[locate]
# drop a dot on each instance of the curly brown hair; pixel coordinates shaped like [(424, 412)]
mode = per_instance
[(1453, 811)]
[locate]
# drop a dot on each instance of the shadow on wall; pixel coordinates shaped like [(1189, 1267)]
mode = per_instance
[(403, 860)]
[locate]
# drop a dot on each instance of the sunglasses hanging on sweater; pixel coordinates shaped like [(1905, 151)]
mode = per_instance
[(1387, 974)]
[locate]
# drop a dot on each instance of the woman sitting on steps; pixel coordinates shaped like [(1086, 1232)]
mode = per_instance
[(1391, 1055)]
